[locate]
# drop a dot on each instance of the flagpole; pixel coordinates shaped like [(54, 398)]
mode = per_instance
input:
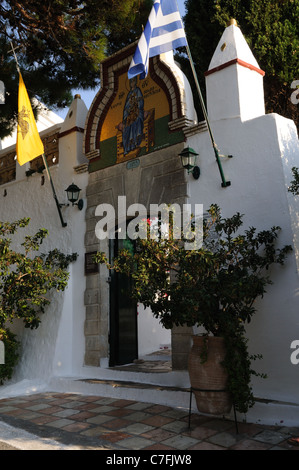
[(15, 56), (63, 223), (224, 182)]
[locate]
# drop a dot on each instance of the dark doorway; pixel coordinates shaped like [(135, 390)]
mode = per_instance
[(123, 312)]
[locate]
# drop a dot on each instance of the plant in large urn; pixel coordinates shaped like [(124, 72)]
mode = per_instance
[(213, 287)]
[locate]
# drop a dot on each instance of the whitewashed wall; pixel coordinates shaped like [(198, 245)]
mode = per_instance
[(264, 149), (152, 337), (57, 346), (259, 173)]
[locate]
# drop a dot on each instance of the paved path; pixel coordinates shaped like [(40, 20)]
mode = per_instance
[(15, 438), (68, 421)]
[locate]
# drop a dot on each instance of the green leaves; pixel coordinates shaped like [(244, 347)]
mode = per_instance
[(294, 187), (60, 45), (214, 287), (270, 28), (11, 347), (27, 276)]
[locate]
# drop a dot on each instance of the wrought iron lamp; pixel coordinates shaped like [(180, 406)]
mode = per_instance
[(73, 193), (188, 159)]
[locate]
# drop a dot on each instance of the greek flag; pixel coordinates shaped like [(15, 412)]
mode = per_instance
[(163, 32)]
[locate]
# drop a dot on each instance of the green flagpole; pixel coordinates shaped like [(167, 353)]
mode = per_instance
[(224, 182), (63, 223)]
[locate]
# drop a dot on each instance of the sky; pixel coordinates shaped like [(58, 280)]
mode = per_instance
[(88, 95)]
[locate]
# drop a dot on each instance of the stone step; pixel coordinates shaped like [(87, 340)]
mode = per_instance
[(162, 394)]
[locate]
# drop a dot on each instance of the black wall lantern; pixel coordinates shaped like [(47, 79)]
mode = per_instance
[(188, 159), (73, 193)]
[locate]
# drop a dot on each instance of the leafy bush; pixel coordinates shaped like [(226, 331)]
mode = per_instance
[(214, 287), (11, 346), (26, 278)]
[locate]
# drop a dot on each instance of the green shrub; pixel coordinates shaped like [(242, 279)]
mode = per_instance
[(11, 346)]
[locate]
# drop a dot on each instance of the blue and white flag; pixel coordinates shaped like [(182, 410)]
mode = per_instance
[(163, 32)]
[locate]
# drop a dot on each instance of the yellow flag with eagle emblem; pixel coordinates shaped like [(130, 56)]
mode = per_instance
[(29, 143)]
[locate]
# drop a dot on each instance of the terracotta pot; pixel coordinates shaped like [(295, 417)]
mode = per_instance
[(209, 375)]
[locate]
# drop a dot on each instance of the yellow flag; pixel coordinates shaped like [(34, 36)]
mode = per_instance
[(29, 144)]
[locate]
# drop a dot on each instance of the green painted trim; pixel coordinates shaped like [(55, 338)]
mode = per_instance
[(163, 139)]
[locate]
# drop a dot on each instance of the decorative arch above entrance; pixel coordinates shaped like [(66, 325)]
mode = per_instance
[(132, 118)]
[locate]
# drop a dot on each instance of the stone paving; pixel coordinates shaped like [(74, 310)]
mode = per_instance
[(101, 423)]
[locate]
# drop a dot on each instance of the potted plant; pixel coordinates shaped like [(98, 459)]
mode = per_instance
[(213, 287)]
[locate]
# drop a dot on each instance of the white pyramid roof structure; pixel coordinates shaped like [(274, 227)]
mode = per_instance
[(232, 45)]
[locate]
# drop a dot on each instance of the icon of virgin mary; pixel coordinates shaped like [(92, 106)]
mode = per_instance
[(133, 118)]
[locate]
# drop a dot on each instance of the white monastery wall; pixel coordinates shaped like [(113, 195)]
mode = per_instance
[(259, 172), (264, 150)]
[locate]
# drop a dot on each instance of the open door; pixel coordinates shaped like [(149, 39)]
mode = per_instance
[(123, 312)]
